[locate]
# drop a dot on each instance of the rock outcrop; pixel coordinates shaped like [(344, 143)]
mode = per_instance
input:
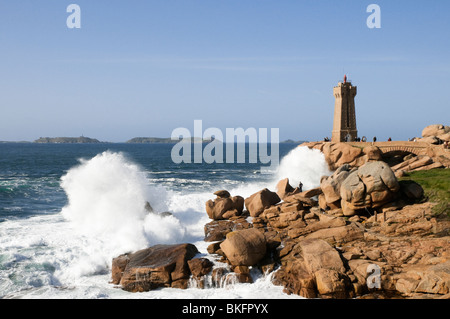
[(261, 200), (154, 267), (315, 269), (244, 247), (331, 187), (420, 163), (200, 267), (318, 253), (285, 189), (224, 206), (312, 252), (326, 242), (370, 186), (436, 133), (432, 153), (338, 154)]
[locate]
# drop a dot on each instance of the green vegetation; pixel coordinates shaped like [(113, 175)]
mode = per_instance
[(436, 184)]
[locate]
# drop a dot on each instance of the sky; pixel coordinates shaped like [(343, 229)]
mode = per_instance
[(144, 68)]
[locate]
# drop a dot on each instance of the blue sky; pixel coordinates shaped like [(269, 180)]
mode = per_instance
[(144, 68)]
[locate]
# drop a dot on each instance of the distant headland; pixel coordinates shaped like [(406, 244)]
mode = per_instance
[(67, 140)]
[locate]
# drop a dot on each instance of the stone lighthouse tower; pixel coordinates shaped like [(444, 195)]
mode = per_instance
[(344, 125)]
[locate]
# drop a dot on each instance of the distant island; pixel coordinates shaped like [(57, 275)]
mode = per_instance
[(67, 140), (135, 140), (148, 140), (166, 140)]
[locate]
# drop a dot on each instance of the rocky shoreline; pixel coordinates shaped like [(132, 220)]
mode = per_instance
[(361, 234), (312, 252), (322, 253)]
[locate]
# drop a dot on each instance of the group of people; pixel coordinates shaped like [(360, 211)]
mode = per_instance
[(364, 139), (357, 139)]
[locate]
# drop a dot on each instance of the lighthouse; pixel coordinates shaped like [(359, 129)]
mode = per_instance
[(344, 124)]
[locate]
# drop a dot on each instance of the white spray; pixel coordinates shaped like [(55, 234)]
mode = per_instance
[(303, 165), (107, 196)]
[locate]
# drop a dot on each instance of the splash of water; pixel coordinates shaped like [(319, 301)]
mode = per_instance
[(304, 165), (107, 196)]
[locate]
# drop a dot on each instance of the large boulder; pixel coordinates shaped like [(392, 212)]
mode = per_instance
[(435, 130), (216, 230), (372, 153), (380, 182), (331, 185), (224, 206), (118, 267), (261, 200), (353, 194), (244, 247), (218, 207), (338, 154), (154, 267), (313, 268), (412, 190), (284, 189), (371, 186), (296, 279)]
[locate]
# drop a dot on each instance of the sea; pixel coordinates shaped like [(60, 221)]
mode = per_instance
[(67, 209)]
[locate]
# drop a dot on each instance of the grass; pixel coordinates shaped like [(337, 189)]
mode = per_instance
[(436, 185)]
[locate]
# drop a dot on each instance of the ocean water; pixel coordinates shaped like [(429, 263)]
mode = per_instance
[(67, 210)]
